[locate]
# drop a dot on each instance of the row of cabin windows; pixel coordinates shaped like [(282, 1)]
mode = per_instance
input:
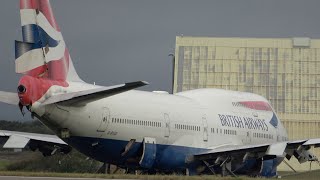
[(136, 122), (225, 131), (187, 127), (261, 135), (230, 132)]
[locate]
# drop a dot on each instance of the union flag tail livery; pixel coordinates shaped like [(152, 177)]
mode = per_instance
[(43, 52), (199, 131), (44, 59)]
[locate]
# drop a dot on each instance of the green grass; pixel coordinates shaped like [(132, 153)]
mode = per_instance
[(3, 165), (302, 175), (118, 176)]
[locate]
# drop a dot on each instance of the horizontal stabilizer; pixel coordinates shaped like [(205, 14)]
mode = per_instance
[(83, 97), (9, 98), (16, 141)]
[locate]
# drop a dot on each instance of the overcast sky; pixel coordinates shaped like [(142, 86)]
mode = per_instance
[(117, 41)]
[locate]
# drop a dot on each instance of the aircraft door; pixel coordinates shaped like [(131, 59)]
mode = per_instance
[(167, 125), (105, 118), (205, 128), (149, 152)]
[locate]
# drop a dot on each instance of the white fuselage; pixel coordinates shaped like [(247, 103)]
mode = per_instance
[(203, 118)]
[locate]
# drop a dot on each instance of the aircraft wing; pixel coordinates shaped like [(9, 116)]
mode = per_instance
[(84, 97), (47, 144), (298, 149)]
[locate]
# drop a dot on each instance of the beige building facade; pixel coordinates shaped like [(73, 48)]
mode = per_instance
[(284, 70)]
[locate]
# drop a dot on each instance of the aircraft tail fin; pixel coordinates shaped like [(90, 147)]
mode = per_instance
[(43, 52)]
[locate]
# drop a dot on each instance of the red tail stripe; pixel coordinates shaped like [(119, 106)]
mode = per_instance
[(58, 69), (43, 6), (38, 71)]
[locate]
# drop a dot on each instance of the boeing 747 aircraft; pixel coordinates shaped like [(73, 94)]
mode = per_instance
[(198, 131)]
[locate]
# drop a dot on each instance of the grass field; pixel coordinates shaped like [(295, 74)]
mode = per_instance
[(312, 175), (7, 158), (301, 176), (120, 176)]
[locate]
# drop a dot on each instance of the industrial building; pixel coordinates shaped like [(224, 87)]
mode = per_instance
[(284, 70)]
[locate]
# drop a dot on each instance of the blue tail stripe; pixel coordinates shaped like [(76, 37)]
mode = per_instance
[(23, 47), (33, 33)]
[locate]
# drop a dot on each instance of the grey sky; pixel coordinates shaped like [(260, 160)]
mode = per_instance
[(116, 41)]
